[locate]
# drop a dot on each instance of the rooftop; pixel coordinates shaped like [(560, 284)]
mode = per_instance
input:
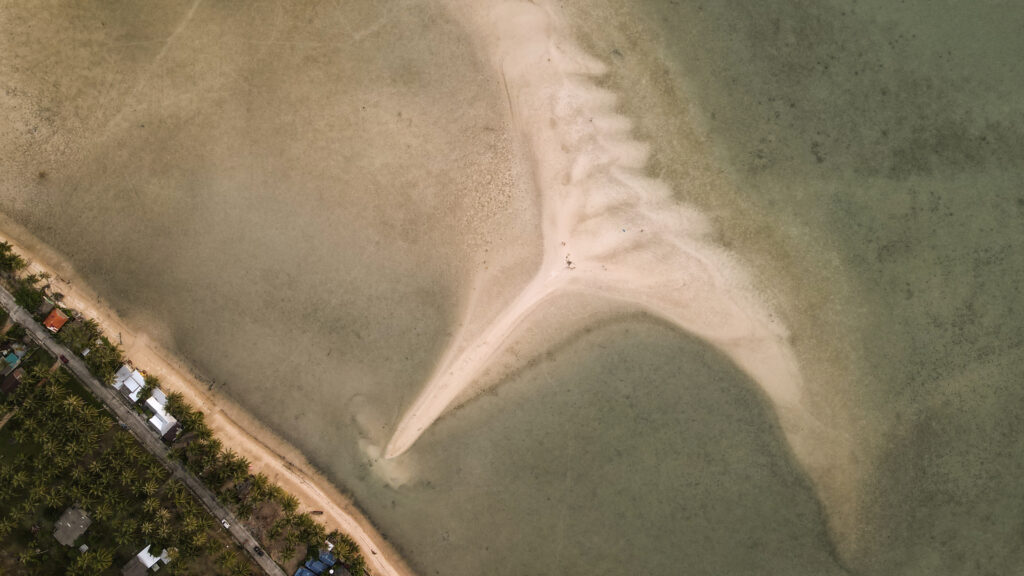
[(129, 382), (161, 420), (71, 524), (56, 320), (11, 381), (148, 559), (134, 567)]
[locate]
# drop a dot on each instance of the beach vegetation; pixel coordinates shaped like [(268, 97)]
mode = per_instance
[(151, 383), (26, 293), (59, 448), (10, 261), (79, 334), (271, 512), (16, 333)]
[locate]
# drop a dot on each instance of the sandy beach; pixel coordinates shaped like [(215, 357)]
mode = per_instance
[(267, 452)]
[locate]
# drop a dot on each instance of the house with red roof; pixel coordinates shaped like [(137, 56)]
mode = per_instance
[(56, 320)]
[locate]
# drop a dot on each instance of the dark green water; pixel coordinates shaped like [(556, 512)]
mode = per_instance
[(877, 149)]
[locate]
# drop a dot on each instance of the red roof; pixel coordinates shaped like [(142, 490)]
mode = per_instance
[(56, 320)]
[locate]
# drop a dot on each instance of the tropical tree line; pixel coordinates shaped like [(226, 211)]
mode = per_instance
[(227, 474), (10, 261), (80, 335), (70, 452), (220, 469), (103, 358), (24, 287)]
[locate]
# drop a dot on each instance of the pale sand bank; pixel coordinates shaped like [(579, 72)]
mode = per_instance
[(266, 451), (608, 229)]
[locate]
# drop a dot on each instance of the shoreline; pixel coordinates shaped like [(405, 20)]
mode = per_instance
[(266, 451)]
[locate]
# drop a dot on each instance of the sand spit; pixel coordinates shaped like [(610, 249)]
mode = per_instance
[(608, 229), (265, 450)]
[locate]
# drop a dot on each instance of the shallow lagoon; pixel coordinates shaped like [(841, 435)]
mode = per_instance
[(233, 192)]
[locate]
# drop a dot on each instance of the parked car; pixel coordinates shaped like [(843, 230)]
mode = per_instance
[(257, 550), (225, 524), (63, 358)]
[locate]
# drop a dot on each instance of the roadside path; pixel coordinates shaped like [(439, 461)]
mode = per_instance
[(137, 426)]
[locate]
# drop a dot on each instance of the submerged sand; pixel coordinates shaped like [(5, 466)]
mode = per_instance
[(321, 208)]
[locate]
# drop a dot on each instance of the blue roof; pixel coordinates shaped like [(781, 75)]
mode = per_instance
[(12, 359), (328, 558), (316, 566), (303, 572)]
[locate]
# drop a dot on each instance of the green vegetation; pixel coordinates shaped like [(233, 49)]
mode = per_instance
[(58, 449), (269, 510), (104, 358), (10, 262), (15, 334), (27, 292)]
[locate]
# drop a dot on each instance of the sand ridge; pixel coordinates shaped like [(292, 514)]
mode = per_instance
[(608, 229)]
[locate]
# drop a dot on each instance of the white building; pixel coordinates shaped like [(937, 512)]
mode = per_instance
[(143, 561), (163, 422), (129, 382), (148, 559)]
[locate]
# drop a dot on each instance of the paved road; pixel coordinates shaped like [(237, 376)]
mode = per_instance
[(138, 427)]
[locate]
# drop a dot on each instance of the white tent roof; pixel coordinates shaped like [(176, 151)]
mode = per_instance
[(148, 559), (158, 394), (161, 420), (130, 380)]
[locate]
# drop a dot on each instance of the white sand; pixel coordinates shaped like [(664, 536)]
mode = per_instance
[(607, 228)]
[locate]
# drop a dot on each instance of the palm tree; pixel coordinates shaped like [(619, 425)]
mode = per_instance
[(95, 491), (150, 488), (55, 496), (91, 562), (103, 511), (6, 527), (60, 376), (197, 539), (155, 472), (288, 552), (28, 403), (128, 477), (52, 392), (125, 532), (26, 558), (50, 449), (289, 503), (163, 530), (62, 460), (163, 515), (239, 568), (19, 436), (73, 405), (227, 558)]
